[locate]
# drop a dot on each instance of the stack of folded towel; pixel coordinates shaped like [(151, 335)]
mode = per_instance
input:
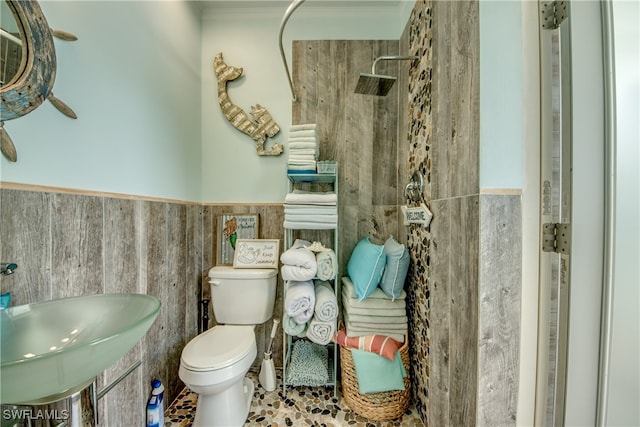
[(376, 315), (303, 148), (311, 210)]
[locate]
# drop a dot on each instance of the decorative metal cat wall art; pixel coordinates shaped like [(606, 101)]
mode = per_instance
[(261, 127)]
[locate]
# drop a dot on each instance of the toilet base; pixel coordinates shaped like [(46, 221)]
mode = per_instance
[(227, 409)]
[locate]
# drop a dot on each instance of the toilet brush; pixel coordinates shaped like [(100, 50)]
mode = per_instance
[(268, 371)]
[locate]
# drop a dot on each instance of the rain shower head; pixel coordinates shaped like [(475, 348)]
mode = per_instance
[(374, 84), (378, 84)]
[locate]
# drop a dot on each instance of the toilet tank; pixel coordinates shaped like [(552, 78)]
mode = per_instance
[(242, 296)]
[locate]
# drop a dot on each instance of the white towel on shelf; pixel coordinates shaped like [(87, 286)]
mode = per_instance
[(301, 159), (300, 243), (326, 308), (309, 165), (327, 264), (332, 218), (310, 209), (300, 300), (295, 225), (299, 152), (303, 126), (303, 145), (301, 133), (308, 141), (291, 327), (299, 264), (298, 273), (299, 256), (309, 197), (309, 168), (321, 332)]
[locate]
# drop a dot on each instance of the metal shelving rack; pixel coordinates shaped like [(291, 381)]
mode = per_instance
[(313, 180)]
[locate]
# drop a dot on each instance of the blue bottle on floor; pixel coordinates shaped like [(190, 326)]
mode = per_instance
[(155, 406)]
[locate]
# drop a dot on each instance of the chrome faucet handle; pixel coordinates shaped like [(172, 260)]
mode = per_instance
[(7, 268)]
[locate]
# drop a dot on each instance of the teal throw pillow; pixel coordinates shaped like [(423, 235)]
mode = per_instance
[(396, 270), (365, 267)]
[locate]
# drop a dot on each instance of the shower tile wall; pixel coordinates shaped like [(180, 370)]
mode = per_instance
[(70, 244), (464, 285), (444, 145)]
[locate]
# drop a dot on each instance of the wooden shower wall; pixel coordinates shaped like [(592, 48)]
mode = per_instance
[(359, 131)]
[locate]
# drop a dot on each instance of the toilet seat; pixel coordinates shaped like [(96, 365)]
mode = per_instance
[(218, 348)]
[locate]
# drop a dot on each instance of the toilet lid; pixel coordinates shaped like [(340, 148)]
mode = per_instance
[(218, 347)]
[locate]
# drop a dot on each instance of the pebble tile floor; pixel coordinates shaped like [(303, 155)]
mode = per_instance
[(303, 406)]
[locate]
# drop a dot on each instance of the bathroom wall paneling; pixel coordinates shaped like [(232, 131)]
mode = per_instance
[(499, 308), (271, 227), (70, 244), (358, 131)]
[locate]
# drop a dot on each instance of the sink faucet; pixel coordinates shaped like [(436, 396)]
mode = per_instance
[(7, 268)]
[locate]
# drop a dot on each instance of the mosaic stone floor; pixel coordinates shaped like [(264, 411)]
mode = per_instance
[(303, 406)]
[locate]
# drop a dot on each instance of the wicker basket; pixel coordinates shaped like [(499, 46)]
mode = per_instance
[(383, 406)]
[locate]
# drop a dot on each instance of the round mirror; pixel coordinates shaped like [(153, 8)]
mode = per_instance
[(10, 45)]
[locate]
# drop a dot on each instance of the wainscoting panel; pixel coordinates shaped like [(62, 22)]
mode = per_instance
[(69, 244), (499, 317)]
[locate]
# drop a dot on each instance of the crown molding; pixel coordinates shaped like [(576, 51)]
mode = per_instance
[(215, 9)]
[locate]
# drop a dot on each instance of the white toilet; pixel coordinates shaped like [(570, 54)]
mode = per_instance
[(214, 363)]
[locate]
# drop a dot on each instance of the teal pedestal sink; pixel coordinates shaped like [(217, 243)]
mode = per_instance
[(53, 349)]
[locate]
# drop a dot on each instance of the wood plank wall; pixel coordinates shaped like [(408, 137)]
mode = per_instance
[(359, 131), (70, 245)]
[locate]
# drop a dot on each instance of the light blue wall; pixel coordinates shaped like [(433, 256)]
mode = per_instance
[(501, 56), (248, 38), (133, 78), (140, 79)]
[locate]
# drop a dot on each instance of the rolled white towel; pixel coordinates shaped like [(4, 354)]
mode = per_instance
[(300, 300), (327, 264), (299, 264), (321, 332), (326, 308), (291, 327)]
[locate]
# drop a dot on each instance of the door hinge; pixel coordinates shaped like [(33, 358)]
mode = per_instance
[(552, 13), (556, 237)]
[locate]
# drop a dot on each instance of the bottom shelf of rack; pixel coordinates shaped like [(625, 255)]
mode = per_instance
[(332, 360)]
